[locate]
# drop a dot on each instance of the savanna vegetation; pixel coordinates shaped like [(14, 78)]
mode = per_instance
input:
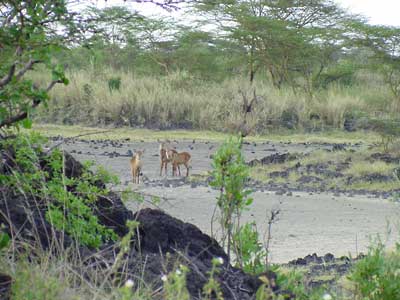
[(276, 64), (304, 65)]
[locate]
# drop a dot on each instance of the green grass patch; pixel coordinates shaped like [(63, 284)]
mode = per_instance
[(328, 136), (261, 173), (323, 156), (363, 168), (385, 186), (360, 166)]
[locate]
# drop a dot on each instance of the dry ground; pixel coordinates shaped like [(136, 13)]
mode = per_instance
[(308, 223)]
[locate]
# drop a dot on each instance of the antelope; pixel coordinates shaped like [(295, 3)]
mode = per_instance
[(165, 157), (182, 158), (136, 165)]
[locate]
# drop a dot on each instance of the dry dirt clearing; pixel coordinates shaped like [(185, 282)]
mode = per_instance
[(308, 222)]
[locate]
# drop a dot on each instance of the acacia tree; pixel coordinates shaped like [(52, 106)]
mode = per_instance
[(30, 34), (283, 37), (384, 41)]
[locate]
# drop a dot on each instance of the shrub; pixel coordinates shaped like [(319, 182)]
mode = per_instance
[(377, 276), (68, 200), (388, 129), (230, 174), (251, 253), (114, 83)]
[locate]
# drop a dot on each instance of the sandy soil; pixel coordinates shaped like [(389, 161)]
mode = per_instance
[(308, 223)]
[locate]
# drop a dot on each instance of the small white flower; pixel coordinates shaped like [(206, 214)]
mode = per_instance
[(164, 278), (178, 272), (326, 296), (129, 283), (220, 260)]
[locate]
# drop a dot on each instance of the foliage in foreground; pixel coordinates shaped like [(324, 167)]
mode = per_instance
[(69, 200), (230, 174), (377, 276)]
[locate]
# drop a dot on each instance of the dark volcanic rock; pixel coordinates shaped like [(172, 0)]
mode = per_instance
[(309, 179), (5, 287), (273, 159), (329, 257), (24, 217), (350, 123), (386, 157), (73, 168), (377, 177), (112, 213), (161, 232), (339, 147), (158, 234), (284, 174)]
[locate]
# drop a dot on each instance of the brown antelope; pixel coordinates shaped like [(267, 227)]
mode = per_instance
[(165, 156), (136, 165), (182, 158)]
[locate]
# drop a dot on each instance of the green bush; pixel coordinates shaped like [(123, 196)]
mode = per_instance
[(32, 283), (341, 73), (69, 200), (377, 276), (388, 129), (114, 84), (230, 174), (251, 252)]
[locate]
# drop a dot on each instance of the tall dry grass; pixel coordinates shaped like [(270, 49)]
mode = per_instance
[(181, 101)]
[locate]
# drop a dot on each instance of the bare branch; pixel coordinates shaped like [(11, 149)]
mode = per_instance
[(6, 79), (271, 220), (166, 4), (52, 84), (24, 114), (27, 67)]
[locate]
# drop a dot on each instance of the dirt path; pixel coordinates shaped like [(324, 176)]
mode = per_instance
[(308, 223)]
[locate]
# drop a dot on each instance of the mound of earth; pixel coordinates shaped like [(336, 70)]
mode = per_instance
[(160, 245)]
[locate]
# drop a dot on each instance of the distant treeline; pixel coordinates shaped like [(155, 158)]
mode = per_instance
[(312, 65)]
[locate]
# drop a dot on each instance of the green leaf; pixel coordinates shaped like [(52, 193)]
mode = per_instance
[(27, 123), (249, 201), (4, 240)]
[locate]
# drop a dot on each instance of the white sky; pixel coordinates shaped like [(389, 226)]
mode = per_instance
[(379, 12)]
